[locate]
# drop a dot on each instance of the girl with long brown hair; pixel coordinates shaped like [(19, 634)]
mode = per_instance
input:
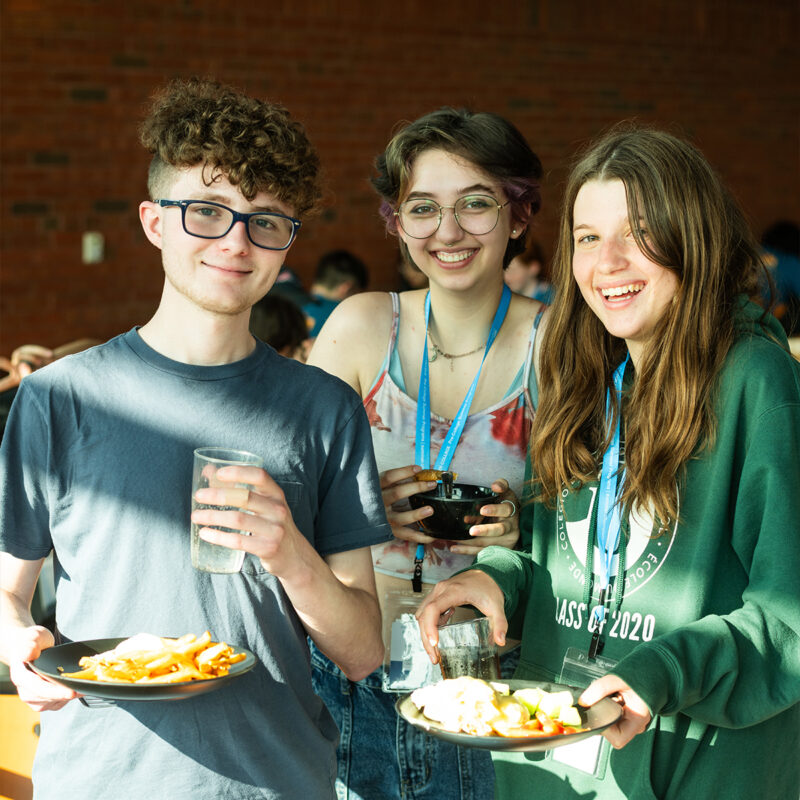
[(660, 555)]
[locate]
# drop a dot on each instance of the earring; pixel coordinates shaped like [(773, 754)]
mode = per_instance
[(514, 232)]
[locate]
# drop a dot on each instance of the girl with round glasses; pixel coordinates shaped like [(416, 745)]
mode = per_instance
[(446, 377)]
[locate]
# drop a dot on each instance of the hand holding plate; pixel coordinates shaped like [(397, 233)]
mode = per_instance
[(41, 694), (635, 717)]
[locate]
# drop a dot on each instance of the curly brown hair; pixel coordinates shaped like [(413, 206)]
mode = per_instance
[(255, 144)]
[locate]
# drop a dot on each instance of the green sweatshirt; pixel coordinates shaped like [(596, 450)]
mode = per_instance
[(708, 628)]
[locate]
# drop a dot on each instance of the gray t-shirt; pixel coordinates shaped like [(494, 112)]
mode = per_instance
[(96, 464)]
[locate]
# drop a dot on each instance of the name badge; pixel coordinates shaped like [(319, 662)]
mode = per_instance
[(588, 755)]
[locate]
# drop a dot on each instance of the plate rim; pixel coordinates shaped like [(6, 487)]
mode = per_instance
[(114, 690), (512, 743)]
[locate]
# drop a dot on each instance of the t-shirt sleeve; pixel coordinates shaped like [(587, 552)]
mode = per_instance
[(351, 512), (24, 458)]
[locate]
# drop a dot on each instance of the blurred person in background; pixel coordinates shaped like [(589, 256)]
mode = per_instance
[(288, 284), (339, 274), (523, 274), (25, 360), (282, 325), (781, 245), (29, 357)]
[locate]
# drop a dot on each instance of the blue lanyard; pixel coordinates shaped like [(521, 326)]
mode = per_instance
[(608, 512), (422, 449)]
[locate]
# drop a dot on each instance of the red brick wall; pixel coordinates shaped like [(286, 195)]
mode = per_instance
[(76, 76)]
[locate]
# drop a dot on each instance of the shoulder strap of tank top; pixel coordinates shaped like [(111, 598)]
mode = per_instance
[(384, 368), (531, 391), (395, 325)]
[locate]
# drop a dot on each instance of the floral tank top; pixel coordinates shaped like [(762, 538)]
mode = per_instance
[(493, 445)]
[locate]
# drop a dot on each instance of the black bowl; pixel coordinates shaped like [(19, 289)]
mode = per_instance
[(453, 517)]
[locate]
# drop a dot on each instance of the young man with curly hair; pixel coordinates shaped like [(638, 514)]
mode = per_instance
[(96, 466)]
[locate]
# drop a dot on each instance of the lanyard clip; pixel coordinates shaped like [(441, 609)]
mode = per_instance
[(416, 581), (447, 483), (596, 645)]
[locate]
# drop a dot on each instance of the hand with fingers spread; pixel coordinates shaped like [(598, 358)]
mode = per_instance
[(399, 484), (473, 588), (503, 527), (25, 645), (635, 714)]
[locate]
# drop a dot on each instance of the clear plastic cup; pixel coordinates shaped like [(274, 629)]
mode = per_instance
[(468, 648), (209, 557)]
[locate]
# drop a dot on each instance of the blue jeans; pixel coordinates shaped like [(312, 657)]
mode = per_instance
[(382, 757)]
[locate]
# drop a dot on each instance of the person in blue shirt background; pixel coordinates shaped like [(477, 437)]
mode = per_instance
[(339, 274)]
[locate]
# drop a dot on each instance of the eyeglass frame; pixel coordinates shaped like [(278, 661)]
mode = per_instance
[(238, 216), (442, 209)]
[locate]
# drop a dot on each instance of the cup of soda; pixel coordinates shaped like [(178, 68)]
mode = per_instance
[(468, 648)]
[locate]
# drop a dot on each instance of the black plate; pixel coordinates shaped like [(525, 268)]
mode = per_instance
[(68, 655), (596, 718)]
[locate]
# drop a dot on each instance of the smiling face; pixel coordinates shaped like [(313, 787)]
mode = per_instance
[(222, 276), (627, 291), (450, 257)]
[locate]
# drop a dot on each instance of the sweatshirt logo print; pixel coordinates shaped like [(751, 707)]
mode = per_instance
[(645, 552)]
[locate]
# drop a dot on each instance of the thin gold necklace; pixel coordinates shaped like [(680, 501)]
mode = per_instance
[(436, 351)]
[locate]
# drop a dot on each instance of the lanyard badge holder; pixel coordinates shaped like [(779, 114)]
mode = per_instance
[(579, 668), (588, 755), (408, 666)]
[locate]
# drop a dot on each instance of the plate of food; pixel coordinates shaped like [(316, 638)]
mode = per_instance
[(516, 715), (144, 667)]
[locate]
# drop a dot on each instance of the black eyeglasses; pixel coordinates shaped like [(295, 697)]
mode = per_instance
[(208, 220)]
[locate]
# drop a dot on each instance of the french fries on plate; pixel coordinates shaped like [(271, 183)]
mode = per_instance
[(145, 658)]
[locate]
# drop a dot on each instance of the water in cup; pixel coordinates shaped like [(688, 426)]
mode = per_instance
[(208, 557)]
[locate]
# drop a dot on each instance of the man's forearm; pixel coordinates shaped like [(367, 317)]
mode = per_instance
[(14, 615), (341, 616), (352, 636)]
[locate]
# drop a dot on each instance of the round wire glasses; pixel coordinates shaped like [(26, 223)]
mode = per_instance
[(475, 214)]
